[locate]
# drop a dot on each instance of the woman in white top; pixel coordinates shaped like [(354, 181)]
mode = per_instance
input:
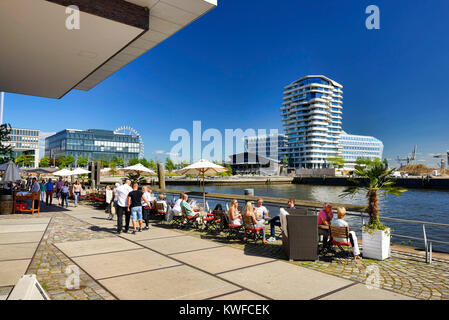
[(109, 194), (234, 214), (148, 195)]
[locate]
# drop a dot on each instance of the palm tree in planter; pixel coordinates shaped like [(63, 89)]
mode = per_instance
[(375, 235)]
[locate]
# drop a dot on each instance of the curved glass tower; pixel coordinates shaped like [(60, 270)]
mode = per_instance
[(312, 120)]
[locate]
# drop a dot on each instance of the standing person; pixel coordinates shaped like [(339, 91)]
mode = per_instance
[(77, 188), (65, 194), (35, 188), (135, 198), (115, 197), (145, 207), (59, 186), (276, 221), (122, 205), (109, 195), (42, 188), (49, 191)]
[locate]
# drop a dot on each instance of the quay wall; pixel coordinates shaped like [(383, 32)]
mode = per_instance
[(410, 183)]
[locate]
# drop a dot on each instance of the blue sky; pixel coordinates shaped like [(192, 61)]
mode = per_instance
[(228, 69)]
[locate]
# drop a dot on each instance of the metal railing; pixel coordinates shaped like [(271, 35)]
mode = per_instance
[(315, 209)]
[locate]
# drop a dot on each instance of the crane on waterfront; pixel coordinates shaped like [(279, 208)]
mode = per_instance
[(409, 158), (442, 156)]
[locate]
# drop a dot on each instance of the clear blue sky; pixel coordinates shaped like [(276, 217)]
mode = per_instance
[(228, 69)]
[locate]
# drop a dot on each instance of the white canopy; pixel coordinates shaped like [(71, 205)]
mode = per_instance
[(11, 173), (139, 168), (78, 171), (63, 173)]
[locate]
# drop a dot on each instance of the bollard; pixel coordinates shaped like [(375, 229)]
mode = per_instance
[(161, 175), (248, 192)]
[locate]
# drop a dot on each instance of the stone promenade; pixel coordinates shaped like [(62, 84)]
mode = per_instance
[(165, 263)]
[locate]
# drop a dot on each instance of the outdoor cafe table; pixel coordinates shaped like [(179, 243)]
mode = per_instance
[(27, 196)]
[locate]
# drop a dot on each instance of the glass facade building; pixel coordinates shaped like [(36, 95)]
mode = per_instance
[(356, 146), (94, 144), (273, 146), (312, 119), (25, 141)]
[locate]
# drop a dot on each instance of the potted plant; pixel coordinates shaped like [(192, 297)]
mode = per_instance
[(375, 235)]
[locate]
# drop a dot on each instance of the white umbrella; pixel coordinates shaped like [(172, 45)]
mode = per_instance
[(11, 173), (79, 171), (139, 168), (202, 167), (63, 173)]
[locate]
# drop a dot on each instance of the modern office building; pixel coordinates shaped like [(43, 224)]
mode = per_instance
[(52, 47), (26, 142), (354, 147), (272, 146), (93, 143), (312, 120)]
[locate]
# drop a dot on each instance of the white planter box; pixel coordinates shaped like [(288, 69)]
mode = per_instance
[(376, 245)]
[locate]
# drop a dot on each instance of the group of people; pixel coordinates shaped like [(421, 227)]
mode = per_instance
[(258, 214), (132, 204), (326, 219), (47, 189)]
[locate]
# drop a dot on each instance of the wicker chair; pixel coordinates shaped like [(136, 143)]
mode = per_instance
[(299, 234)]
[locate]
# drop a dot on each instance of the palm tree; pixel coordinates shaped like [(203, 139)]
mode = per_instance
[(380, 182)]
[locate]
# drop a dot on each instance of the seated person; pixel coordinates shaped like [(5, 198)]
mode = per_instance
[(161, 200), (276, 221), (187, 207), (260, 210), (177, 206), (249, 212), (340, 222), (234, 214), (324, 220)]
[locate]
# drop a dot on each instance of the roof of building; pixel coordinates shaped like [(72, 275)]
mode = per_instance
[(252, 158), (44, 57)]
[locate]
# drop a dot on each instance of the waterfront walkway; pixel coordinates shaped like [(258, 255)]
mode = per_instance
[(164, 263)]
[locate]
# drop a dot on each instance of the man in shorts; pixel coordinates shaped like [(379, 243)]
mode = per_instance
[(135, 199)]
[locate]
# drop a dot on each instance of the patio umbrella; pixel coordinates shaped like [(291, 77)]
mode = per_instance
[(202, 167), (79, 171), (63, 173), (139, 168), (11, 173)]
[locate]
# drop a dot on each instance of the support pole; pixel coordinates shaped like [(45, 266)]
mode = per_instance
[(161, 175), (2, 99)]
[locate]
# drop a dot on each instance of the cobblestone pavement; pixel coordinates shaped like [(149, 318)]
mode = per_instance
[(50, 264), (404, 273)]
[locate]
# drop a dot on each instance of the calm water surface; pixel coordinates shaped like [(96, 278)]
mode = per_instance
[(422, 205)]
